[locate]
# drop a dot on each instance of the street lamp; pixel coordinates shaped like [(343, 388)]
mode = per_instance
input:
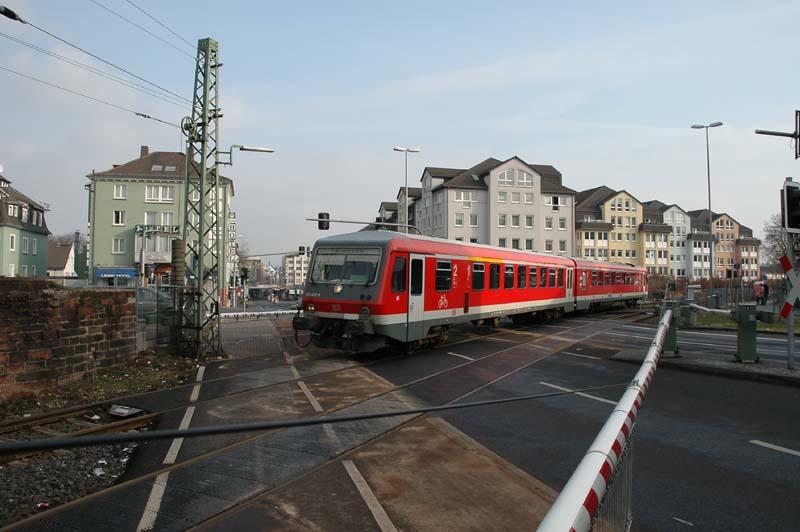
[(405, 205), (708, 172), (240, 147)]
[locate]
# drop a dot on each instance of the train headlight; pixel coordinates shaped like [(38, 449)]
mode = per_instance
[(365, 312), (338, 288), (311, 308)]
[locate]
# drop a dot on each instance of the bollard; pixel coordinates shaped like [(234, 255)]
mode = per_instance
[(746, 320), (671, 339)]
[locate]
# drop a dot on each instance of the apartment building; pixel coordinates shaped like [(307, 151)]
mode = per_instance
[(23, 234), (736, 251), (387, 212), (507, 203), (680, 263), (405, 211), (136, 211), (295, 269)]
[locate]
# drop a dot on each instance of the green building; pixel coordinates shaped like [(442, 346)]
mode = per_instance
[(145, 195), (23, 234)]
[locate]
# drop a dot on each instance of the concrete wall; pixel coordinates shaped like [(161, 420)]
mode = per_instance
[(51, 336)]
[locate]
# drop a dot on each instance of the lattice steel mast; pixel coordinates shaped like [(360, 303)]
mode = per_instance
[(202, 228)]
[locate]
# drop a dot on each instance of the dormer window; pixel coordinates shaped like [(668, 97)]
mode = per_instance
[(157, 168), (506, 179), (169, 168), (25, 212)]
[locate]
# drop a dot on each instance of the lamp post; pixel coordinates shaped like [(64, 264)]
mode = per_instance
[(710, 216), (406, 151)]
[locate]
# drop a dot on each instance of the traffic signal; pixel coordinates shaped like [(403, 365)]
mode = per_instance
[(322, 221), (245, 274), (790, 206)]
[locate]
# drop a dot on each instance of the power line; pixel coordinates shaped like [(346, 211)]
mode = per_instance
[(96, 71), (160, 23), (129, 21), (98, 100), (109, 63)]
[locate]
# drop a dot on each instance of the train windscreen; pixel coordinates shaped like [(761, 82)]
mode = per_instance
[(346, 265)]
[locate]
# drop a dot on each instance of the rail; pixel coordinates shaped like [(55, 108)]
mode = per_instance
[(598, 494)]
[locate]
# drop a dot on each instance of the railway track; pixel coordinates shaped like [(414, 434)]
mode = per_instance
[(594, 328)]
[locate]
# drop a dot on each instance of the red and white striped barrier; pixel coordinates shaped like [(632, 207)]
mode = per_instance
[(794, 282), (258, 314), (577, 504)]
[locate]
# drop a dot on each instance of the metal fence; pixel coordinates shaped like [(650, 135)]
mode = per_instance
[(157, 309), (598, 494)]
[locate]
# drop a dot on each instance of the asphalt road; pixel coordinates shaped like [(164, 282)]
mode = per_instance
[(695, 464)]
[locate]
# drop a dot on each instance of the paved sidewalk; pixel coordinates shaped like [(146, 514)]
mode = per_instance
[(720, 364)]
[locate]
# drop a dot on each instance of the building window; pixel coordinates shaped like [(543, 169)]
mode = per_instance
[(120, 191), (529, 222), (548, 223), (473, 220), (548, 246), (33, 270), (159, 194), (167, 218), (562, 224), (515, 243), (11, 270), (118, 247), (12, 243), (515, 220), (12, 210), (501, 220), (529, 197), (562, 246), (25, 245), (119, 217), (35, 249), (529, 244), (524, 179), (473, 240), (459, 220), (501, 242), (502, 197), (515, 197), (506, 179), (24, 270), (151, 218)]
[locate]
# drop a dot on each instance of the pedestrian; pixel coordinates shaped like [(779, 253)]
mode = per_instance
[(766, 293), (758, 291)]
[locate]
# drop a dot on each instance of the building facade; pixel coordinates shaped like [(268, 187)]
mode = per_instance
[(61, 259), (295, 270), (507, 203), (736, 251), (136, 212), (608, 226), (23, 234)]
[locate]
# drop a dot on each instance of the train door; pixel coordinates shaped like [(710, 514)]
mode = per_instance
[(569, 285), (416, 298)]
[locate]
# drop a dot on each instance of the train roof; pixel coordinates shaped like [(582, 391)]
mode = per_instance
[(428, 244)]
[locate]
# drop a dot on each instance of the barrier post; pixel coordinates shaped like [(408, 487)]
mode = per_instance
[(671, 340)]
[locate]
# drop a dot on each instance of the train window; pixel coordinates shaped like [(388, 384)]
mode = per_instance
[(542, 277), (560, 274), (532, 276), (494, 276), (399, 275), (478, 276), (416, 277), (508, 276), (627, 278), (521, 276), (569, 278), (594, 278), (552, 277), (444, 276), (584, 278)]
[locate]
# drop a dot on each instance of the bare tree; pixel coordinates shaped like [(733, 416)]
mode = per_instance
[(774, 245)]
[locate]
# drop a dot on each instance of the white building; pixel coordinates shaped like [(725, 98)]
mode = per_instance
[(295, 269), (507, 203), (681, 247)]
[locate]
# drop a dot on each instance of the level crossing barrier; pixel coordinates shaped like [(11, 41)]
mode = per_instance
[(598, 494), (257, 314)]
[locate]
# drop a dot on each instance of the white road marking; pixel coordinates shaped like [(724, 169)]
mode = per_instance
[(332, 437), (295, 373), (481, 337), (172, 453), (461, 356), (381, 518), (311, 399), (586, 395), (577, 355), (775, 447), (683, 521), (148, 520)]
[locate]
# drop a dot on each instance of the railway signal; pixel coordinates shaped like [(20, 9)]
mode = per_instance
[(323, 221)]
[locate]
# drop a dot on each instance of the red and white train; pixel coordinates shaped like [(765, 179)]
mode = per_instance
[(370, 288)]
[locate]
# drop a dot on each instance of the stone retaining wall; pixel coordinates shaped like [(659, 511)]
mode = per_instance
[(51, 336)]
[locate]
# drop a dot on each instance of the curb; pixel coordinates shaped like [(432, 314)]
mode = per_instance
[(786, 380)]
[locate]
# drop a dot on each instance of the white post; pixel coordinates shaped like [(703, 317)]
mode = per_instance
[(790, 319)]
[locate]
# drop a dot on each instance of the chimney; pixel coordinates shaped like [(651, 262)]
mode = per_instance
[(144, 151)]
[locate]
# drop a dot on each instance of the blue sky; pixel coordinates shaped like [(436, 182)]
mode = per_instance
[(604, 92)]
